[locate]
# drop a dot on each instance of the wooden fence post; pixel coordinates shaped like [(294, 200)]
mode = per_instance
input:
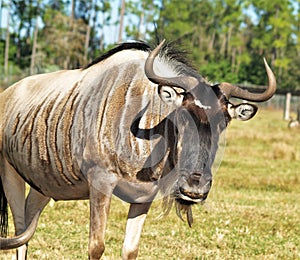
[(287, 106)]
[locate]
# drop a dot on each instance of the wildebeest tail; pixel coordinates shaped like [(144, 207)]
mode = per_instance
[(3, 212), (22, 239)]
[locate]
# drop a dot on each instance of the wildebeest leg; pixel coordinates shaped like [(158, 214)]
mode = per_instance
[(14, 188), (99, 209), (101, 189), (135, 221)]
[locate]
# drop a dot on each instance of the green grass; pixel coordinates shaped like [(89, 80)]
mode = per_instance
[(252, 212)]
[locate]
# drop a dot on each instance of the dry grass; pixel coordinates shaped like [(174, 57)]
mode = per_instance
[(253, 210)]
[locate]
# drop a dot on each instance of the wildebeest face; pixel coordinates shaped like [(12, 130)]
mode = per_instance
[(197, 144), (199, 125), (200, 117)]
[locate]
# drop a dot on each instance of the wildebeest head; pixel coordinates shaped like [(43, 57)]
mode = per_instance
[(202, 112)]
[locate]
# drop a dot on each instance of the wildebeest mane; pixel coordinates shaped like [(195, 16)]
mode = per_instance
[(121, 47), (180, 57), (170, 52)]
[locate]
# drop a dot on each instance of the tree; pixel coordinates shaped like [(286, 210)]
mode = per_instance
[(122, 14), (274, 36), (228, 38), (211, 30), (88, 31), (63, 39), (34, 44), (95, 14), (24, 15), (103, 11), (7, 44), (141, 15)]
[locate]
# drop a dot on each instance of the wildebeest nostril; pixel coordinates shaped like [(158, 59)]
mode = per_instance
[(195, 179), (196, 176)]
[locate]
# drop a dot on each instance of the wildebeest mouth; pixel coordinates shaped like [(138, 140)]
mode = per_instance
[(187, 194), (189, 199)]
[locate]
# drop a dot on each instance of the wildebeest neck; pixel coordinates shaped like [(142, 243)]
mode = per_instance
[(165, 149)]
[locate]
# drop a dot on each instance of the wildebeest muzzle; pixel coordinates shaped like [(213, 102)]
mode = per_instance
[(193, 188)]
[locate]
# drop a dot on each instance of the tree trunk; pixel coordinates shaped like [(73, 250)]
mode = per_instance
[(233, 60), (287, 109), (67, 62), (34, 46), (140, 34), (7, 41), (122, 13), (87, 43), (88, 34), (212, 42), (73, 10), (1, 5)]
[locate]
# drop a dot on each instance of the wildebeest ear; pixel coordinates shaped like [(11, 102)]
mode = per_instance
[(244, 111), (171, 95)]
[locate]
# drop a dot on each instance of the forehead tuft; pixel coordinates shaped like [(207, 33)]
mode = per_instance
[(200, 105)]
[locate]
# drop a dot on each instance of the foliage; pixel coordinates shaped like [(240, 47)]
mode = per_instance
[(144, 12), (236, 33), (227, 39), (69, 37)]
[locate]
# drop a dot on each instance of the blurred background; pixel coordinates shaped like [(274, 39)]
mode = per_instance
[(226, 39)]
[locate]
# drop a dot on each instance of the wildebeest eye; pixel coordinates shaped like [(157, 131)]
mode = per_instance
[(246, 111), (166, 94)]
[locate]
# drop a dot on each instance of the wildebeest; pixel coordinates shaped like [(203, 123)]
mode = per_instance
[(134, 122)]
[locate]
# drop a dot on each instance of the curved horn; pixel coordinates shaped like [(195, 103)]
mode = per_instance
[(237, 92), (15, 242), (180, 81)]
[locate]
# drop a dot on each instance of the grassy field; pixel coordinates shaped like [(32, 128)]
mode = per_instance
[(252, 212)]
